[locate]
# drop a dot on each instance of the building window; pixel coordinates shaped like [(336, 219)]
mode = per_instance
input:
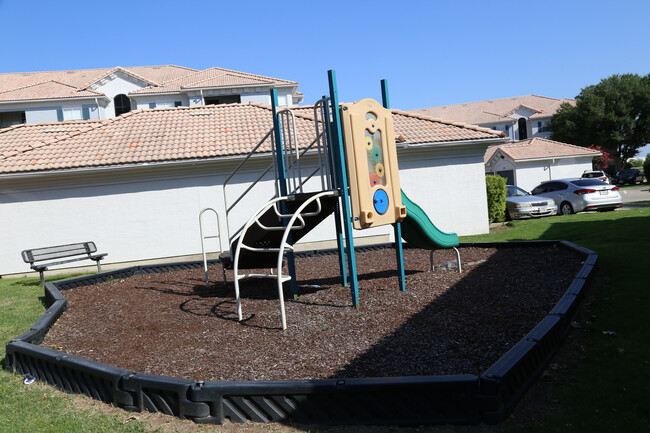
[(12, 118), (178, 103), (72, 114), (226, 99), (508, 130), (542, 127), (523, 128), (122, 104)]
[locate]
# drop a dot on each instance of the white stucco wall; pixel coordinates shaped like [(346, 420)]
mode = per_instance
[(152, 212), (118, 84), (46, 111), (160, 101), (529, 174)]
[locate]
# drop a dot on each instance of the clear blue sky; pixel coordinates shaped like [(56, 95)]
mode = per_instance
[(431, 52)]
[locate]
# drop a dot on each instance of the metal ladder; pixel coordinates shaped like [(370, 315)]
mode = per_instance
[(295, 222)]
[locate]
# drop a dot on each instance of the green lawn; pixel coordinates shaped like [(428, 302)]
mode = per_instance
[(38, 407), (607, 390)]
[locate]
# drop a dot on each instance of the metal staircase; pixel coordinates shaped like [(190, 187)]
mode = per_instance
[(268, 238)]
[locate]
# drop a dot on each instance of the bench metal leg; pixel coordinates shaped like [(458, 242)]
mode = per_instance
[(99, 266), (42, 279)]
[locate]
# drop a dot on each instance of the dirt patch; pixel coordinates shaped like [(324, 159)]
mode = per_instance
[(444, 323)]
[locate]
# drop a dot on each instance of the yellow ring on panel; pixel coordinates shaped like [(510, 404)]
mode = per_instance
[(369, 144), (379, 169)]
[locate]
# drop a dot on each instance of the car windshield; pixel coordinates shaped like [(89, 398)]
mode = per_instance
[(588, 182), (625, 172), (515, 191), (592, 174)]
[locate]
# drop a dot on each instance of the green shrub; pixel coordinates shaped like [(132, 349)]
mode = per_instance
[(646, 167), (496, 197)]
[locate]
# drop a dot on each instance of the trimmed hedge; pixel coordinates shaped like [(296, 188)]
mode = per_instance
[(496, 197)]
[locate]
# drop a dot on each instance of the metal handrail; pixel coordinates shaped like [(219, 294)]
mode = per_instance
[(283, 246), (292, 155), (204, 237)]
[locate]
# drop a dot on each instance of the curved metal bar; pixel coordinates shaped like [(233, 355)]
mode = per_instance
[(203, 238), (283, 245), (250, 221), (460, 269)]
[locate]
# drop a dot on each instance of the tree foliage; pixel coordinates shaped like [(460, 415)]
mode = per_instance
[(602, 161), (496, 196), (646, 167), (613, 114)]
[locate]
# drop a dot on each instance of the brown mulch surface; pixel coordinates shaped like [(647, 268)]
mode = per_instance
[(444, 323)]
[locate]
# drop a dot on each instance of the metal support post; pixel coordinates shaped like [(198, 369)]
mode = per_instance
[(334, 164), (342, 181), (397, 226), (282, 178)]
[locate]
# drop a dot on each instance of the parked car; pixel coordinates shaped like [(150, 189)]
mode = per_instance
[(521, 204), (596, 174), (630, 175), (578, 195)]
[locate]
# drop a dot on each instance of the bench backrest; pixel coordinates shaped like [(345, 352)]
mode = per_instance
[(57, 252)]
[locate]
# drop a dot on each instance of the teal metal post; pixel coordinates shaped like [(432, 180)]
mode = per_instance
[(282, 178), (337, 211), (397, 226), (342, 181)]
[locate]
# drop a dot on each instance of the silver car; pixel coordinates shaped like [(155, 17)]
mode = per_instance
[(521, 204), (578, 195)]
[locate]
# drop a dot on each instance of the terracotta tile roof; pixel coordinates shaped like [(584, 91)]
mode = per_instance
[(182, 133), (24, 86), (495, 110), (213, 77), (113, 71), (26, 137), (411, 128), (46, 90), (538, 148)]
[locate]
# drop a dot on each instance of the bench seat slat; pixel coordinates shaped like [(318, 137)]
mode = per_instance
[(59, 251), (69, 251)]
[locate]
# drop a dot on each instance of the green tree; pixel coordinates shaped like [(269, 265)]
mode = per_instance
[(646, 167), (496, 195), (613, 114)]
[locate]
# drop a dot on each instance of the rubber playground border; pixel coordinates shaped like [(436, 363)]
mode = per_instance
[(411, 400)]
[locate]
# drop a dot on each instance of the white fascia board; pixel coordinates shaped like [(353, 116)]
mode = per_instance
[(135, 166), (149, 94), (78, 98), (460, 143), (504, 121), (552, 158)]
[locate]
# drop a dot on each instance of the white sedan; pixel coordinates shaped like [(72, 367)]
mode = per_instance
[(521, 204), (578, 195)]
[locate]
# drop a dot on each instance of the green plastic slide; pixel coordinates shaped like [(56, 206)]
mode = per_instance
[(419, 231)]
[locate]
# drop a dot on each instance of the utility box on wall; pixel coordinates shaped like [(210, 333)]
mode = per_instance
[(373, 174)]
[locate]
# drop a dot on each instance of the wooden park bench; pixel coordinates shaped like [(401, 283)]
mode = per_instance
[(42, 258)]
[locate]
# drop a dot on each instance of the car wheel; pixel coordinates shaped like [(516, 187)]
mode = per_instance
[(566, 208)]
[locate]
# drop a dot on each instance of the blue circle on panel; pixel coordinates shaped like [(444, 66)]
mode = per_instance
[(380, 200)]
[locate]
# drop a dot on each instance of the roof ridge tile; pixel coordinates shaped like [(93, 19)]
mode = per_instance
[(449, 122)]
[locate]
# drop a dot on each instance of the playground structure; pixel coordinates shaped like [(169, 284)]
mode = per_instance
[(410, 400), (359, 183)]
